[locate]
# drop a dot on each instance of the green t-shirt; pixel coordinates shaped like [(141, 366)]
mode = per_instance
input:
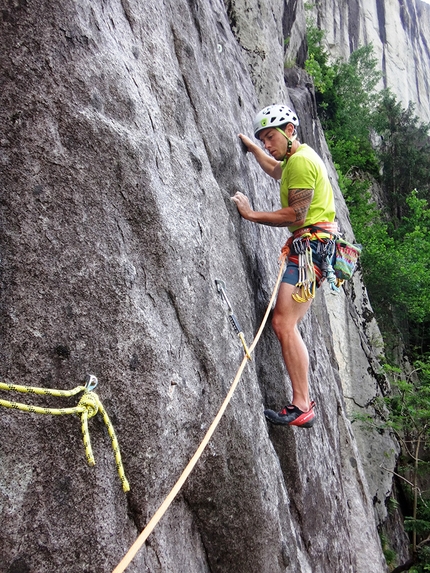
[(306, 170)]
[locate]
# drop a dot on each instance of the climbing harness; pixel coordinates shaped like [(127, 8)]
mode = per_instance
[(131, 553), (89, 405), (338, 259), (232, 317), (298, 249)]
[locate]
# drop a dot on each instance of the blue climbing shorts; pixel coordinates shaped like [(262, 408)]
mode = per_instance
[(291, 274)]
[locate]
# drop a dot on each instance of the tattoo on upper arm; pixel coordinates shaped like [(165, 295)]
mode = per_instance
[(299, 200)]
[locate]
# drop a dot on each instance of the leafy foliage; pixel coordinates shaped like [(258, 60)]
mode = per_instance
[(346, 99), (347, 112), (317, 65), (404, 152), (374, 140), (396, 240), (409, 407)]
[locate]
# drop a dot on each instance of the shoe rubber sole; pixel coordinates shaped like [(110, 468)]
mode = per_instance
[(305, 420)]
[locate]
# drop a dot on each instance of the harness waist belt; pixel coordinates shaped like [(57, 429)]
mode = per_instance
[(325, 226)]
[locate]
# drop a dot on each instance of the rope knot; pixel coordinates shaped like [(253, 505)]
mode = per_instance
[(90, 402)]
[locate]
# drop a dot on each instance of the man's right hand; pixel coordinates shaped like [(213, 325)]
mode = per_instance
[(242, 203)]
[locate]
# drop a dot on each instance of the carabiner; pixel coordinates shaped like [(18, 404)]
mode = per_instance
[(91, 382)]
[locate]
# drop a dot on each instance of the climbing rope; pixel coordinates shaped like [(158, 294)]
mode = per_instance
[(129, 556), (89, 405)]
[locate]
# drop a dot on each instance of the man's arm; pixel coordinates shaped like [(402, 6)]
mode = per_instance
[(293, 215), (269, 164)]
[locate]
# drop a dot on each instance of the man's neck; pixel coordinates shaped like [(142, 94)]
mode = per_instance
[(296, 144)]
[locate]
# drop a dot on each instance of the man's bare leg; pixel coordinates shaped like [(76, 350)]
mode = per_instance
[(287, 315)]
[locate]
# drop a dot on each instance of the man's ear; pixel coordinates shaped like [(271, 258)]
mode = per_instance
[(290, 129)]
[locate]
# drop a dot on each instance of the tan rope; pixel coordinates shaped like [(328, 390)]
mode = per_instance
[(129, 556)]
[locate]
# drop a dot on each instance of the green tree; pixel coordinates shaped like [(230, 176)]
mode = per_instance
[(346, 99), (396, 245), (396, 240), (403, 151), (318, 62), (409, 407), (395, 262)]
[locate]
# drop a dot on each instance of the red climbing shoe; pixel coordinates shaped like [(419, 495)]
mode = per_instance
[(292, 416)]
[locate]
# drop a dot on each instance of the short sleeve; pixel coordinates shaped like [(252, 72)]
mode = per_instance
[(302, 173)]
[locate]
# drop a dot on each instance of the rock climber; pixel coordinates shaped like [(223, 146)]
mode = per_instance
[(308, 211)]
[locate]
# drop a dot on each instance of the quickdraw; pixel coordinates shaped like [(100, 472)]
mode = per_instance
[(220, 285), (307, 277), (89, 405)]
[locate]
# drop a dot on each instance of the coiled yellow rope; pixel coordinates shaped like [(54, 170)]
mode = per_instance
[(89, 405)]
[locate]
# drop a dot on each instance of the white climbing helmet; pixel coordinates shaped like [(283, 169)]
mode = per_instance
[(274, 116)]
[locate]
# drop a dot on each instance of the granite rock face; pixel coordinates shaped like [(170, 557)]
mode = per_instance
[(398, 32), (119, 155)]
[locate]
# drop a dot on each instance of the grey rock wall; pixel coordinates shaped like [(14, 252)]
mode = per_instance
[(398, 32), (119, 154)]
